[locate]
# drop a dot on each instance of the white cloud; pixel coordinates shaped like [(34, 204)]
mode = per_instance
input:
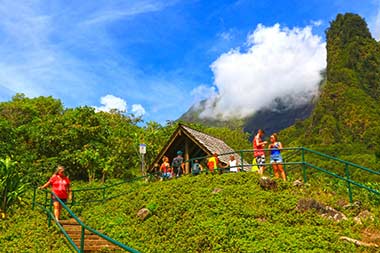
[(138, 110), (202, 92), (373, 20), (316, 22), (226, 35), (374, 25), (131, 9), (110, 102), (280, 62)]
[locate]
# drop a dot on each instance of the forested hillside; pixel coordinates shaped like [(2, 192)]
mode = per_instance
[(39, 133), (346, 117)]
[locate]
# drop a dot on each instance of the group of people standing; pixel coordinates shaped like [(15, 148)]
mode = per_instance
[(214, 165), (175, 169), (275, 154)]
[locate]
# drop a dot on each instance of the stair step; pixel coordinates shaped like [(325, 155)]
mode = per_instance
[(86, 236), (92, 242), (78, 231), (71, 221), (99, 248)]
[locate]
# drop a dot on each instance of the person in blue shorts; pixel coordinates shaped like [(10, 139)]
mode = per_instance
[(275, 157)]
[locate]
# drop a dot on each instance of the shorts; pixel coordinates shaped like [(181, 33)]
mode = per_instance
[(260, 160), (167, 175), (276, 159), (55, 200)]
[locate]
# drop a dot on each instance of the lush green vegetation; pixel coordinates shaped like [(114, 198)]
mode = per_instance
[(345, 119), (188, 217), (39, 133), (27, 231), (12, 185)]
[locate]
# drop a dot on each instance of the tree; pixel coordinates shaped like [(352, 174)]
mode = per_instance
[(12, 185)]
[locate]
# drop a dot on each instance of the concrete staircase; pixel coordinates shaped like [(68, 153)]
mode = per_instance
[(92, 242)]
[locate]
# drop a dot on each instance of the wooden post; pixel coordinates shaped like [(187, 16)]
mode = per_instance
[(187, 156)]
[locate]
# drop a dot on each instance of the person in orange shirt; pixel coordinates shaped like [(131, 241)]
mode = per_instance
[(165, 168)]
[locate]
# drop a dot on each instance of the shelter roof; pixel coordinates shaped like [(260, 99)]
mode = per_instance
[(199, 144)]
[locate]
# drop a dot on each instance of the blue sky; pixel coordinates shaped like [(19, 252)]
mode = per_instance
[(157, 58)]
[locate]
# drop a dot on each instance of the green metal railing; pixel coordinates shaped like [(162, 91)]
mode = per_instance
[(48, 208), (290, 158), (107, 192), (299, 156), (347, 171)]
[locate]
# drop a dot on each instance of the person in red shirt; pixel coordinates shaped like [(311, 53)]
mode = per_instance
[(61, 187), (258, 150)]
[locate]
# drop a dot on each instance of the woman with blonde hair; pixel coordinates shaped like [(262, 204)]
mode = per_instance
[(276, 158), (60, 187)]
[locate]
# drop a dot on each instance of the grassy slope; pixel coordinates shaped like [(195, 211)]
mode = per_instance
[(241, 218), (189, 218), (26, 231)]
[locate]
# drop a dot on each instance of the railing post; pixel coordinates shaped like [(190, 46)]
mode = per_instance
[(284, 165), (51, 211), (241, 160), (347, 171), (303, 164), (82, 239), (72, 198), (34, 197), (104, 194)]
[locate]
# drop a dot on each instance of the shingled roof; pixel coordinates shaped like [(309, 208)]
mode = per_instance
[(196, 144)]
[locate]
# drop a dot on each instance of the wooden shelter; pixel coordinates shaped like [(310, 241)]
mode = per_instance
[(195, 144)]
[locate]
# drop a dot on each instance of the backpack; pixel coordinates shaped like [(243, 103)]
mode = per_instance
[(177, 162), (196, 168)]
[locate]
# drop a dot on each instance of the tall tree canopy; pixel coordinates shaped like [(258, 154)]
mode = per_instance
[(40, 134)]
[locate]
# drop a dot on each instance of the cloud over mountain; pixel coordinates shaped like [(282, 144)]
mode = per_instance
[(278, 62)]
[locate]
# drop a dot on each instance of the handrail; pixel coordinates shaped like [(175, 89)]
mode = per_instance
[(343, 178), (50, 217), (305, 164), (342, 161), (102, 188), (191, 160), (84, 226)]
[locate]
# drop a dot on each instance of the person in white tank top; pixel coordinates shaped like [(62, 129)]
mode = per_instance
[(232, 164)]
